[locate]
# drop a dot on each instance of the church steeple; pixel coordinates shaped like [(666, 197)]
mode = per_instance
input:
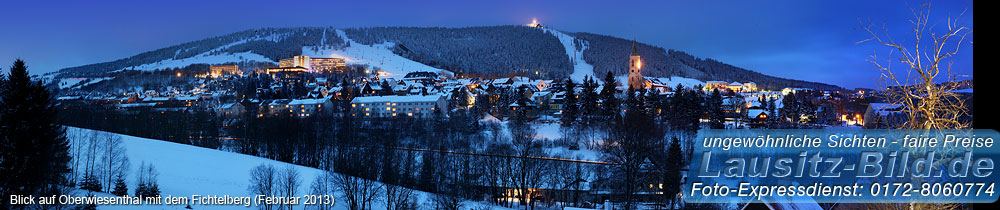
[(635, 49), (635, 80)]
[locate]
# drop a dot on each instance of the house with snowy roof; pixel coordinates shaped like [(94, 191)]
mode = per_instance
[(884, 115)]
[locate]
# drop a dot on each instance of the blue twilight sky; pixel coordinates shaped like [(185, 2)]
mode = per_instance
[(808, 40)]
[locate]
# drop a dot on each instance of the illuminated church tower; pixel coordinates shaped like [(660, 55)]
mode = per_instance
[(635, 80)]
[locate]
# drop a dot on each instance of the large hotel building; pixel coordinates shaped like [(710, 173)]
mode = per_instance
[(314, 64)]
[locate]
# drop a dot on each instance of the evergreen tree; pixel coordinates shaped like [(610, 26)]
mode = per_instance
[(715, 114), (588, 101), (91, 183), (609, 103), (772, 112), (386, 88), (120, 188), (650, 101), (34, 151), (569, 106), (686, 109), (789, 109), (672, 171)]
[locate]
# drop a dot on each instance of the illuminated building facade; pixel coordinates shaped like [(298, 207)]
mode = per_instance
[(217, 71), (397, 106), (314, 65), (635, 80)]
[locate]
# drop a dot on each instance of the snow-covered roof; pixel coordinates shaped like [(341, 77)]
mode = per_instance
[(311, 101), (156, 99), (500, 80), (227, 106), (135, 105), (540, 94), (280, 102), (753, 113), (885, 108), (187, 98)]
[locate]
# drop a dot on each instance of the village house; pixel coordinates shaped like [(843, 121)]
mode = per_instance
[(883, 115)]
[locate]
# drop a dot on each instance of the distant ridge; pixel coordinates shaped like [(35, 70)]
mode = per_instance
[(484, 51)]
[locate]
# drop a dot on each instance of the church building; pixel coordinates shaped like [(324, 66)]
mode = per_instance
[(635, 80)]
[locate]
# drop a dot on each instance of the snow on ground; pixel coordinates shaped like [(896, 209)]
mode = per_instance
[(69, 82), (547, 131), (202, 58), (205, 58), (551, 132), (581, 68), (687, 82), (95, 81), (186, 170), (79, 82), (376, 55), (671, 81)]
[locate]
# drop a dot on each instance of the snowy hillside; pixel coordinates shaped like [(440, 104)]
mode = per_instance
[(210, 57), (483, 50), (581, 68), (65, 83), (376, 55), (186, 170)]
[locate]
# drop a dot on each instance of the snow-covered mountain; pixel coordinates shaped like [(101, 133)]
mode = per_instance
[(481, 51)]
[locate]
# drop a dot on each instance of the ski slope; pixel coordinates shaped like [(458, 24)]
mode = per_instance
[(376, 55), (581, 68), (65, 83), (205, 58), (186, 170)]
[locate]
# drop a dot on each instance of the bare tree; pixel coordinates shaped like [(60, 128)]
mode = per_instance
[(288, 184), (927, 98), (529, 173), (114, 161), (147, 179), (397, 197), (78, 142), (358, 192), (321, 186), (263, 179)]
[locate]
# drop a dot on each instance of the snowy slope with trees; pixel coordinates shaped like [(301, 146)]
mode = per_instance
[(379, 56), (574, 49), (485, 51), (185, 170)]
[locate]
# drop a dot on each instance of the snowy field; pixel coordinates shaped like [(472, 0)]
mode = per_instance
[(186, 170)]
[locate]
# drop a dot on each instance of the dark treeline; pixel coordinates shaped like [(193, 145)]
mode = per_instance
[(606, 53), (487, 51)]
